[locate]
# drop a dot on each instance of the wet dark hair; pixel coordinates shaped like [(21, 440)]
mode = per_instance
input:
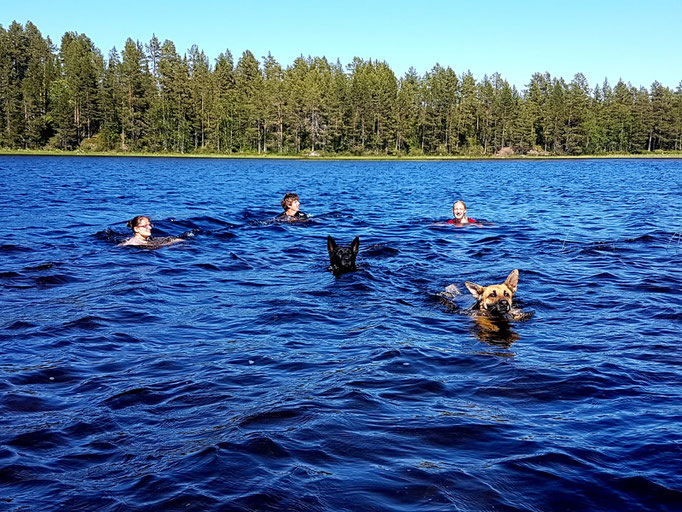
[(135, 221), (289, 198)]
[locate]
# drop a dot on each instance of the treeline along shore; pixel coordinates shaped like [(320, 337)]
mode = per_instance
[(148, 98)]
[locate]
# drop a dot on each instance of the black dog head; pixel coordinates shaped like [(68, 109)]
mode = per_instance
[(342, 257)]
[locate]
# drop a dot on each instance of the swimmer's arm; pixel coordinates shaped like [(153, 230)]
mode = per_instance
[(172, 241)]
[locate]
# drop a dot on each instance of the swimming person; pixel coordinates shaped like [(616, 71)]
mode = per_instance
[(459, 212), (291, 213), (142, 234)]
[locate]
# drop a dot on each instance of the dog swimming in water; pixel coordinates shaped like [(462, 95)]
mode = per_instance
[(495, 300), (342, 257), (494, 311)]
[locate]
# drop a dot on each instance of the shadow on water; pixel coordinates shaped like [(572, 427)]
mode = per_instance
[(499, 333)]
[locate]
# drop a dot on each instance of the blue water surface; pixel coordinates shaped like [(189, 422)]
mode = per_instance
[(232, 371)]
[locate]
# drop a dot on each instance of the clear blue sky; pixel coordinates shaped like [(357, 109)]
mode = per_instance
[(636, 41)]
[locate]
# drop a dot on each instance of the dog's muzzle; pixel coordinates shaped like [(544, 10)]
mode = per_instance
[(499, 308)]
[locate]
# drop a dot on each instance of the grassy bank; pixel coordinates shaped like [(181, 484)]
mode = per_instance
[(275, 156)]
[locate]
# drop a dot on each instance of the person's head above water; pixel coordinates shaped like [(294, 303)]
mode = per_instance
[(142, 230), (459, 212), (141, 226), (291, 203), (142, 234)]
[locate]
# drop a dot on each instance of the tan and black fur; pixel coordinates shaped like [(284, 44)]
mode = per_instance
[(496, 300)]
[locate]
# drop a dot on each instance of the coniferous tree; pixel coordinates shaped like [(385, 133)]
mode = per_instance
[(111, 93), (154, 56), (440, 102), (504, 111), (386, 93), (40, 72), (317, 85), (200, 87), (577, 104), (467, 120), (677, 115), (75, 93), (662, 106), (250, 104), (408, 108), (136, 83), (373, 93), (294, 80), (338, 109), (226, 102), (275, 100), (13, 66), (486, 99)]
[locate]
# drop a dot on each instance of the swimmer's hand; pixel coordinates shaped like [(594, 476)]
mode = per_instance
[(189, 234)]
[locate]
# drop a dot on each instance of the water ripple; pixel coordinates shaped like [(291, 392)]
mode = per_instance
[(233, 371)]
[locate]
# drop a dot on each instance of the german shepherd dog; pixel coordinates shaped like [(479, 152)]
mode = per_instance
[(342, 257), (495, 301), (493, 311)]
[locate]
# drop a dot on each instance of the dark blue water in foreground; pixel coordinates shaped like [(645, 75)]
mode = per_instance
[(233, 372)]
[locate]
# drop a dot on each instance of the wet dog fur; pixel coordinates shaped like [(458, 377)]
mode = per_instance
[(342, 257), (496, 301)]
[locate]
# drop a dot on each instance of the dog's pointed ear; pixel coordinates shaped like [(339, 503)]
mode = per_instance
[(331, 244), (355, 245), (512, 280), (475, 289)]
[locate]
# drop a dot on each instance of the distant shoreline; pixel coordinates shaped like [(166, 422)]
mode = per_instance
[(272, 156)]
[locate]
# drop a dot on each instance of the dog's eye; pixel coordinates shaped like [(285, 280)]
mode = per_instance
[(494, 294), (506, 294)]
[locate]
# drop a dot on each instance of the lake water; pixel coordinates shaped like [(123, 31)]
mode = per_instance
[(232, 371)]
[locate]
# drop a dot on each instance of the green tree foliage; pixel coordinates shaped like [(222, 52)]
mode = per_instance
[(275, 101), (27, 70), (75, 92), (408, 108), (136, 83), (250, 103), (225, 103), (170, 115), (372, 96), (154, 98), (111, 93)]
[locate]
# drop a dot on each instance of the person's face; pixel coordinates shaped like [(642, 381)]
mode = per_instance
[(144, 228), (458, 211), (295, 205)]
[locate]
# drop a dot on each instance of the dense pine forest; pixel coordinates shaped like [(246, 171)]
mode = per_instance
[(151, 98)]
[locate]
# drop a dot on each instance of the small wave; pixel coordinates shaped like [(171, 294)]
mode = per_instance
[(38, 440), (43, 266), (20, 324), (270, 418), (111, 236), (379, 251), (207, 223), (133, 397), (47, 375), (55, 280), (11, 248), (86, 323), (22, 403)]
